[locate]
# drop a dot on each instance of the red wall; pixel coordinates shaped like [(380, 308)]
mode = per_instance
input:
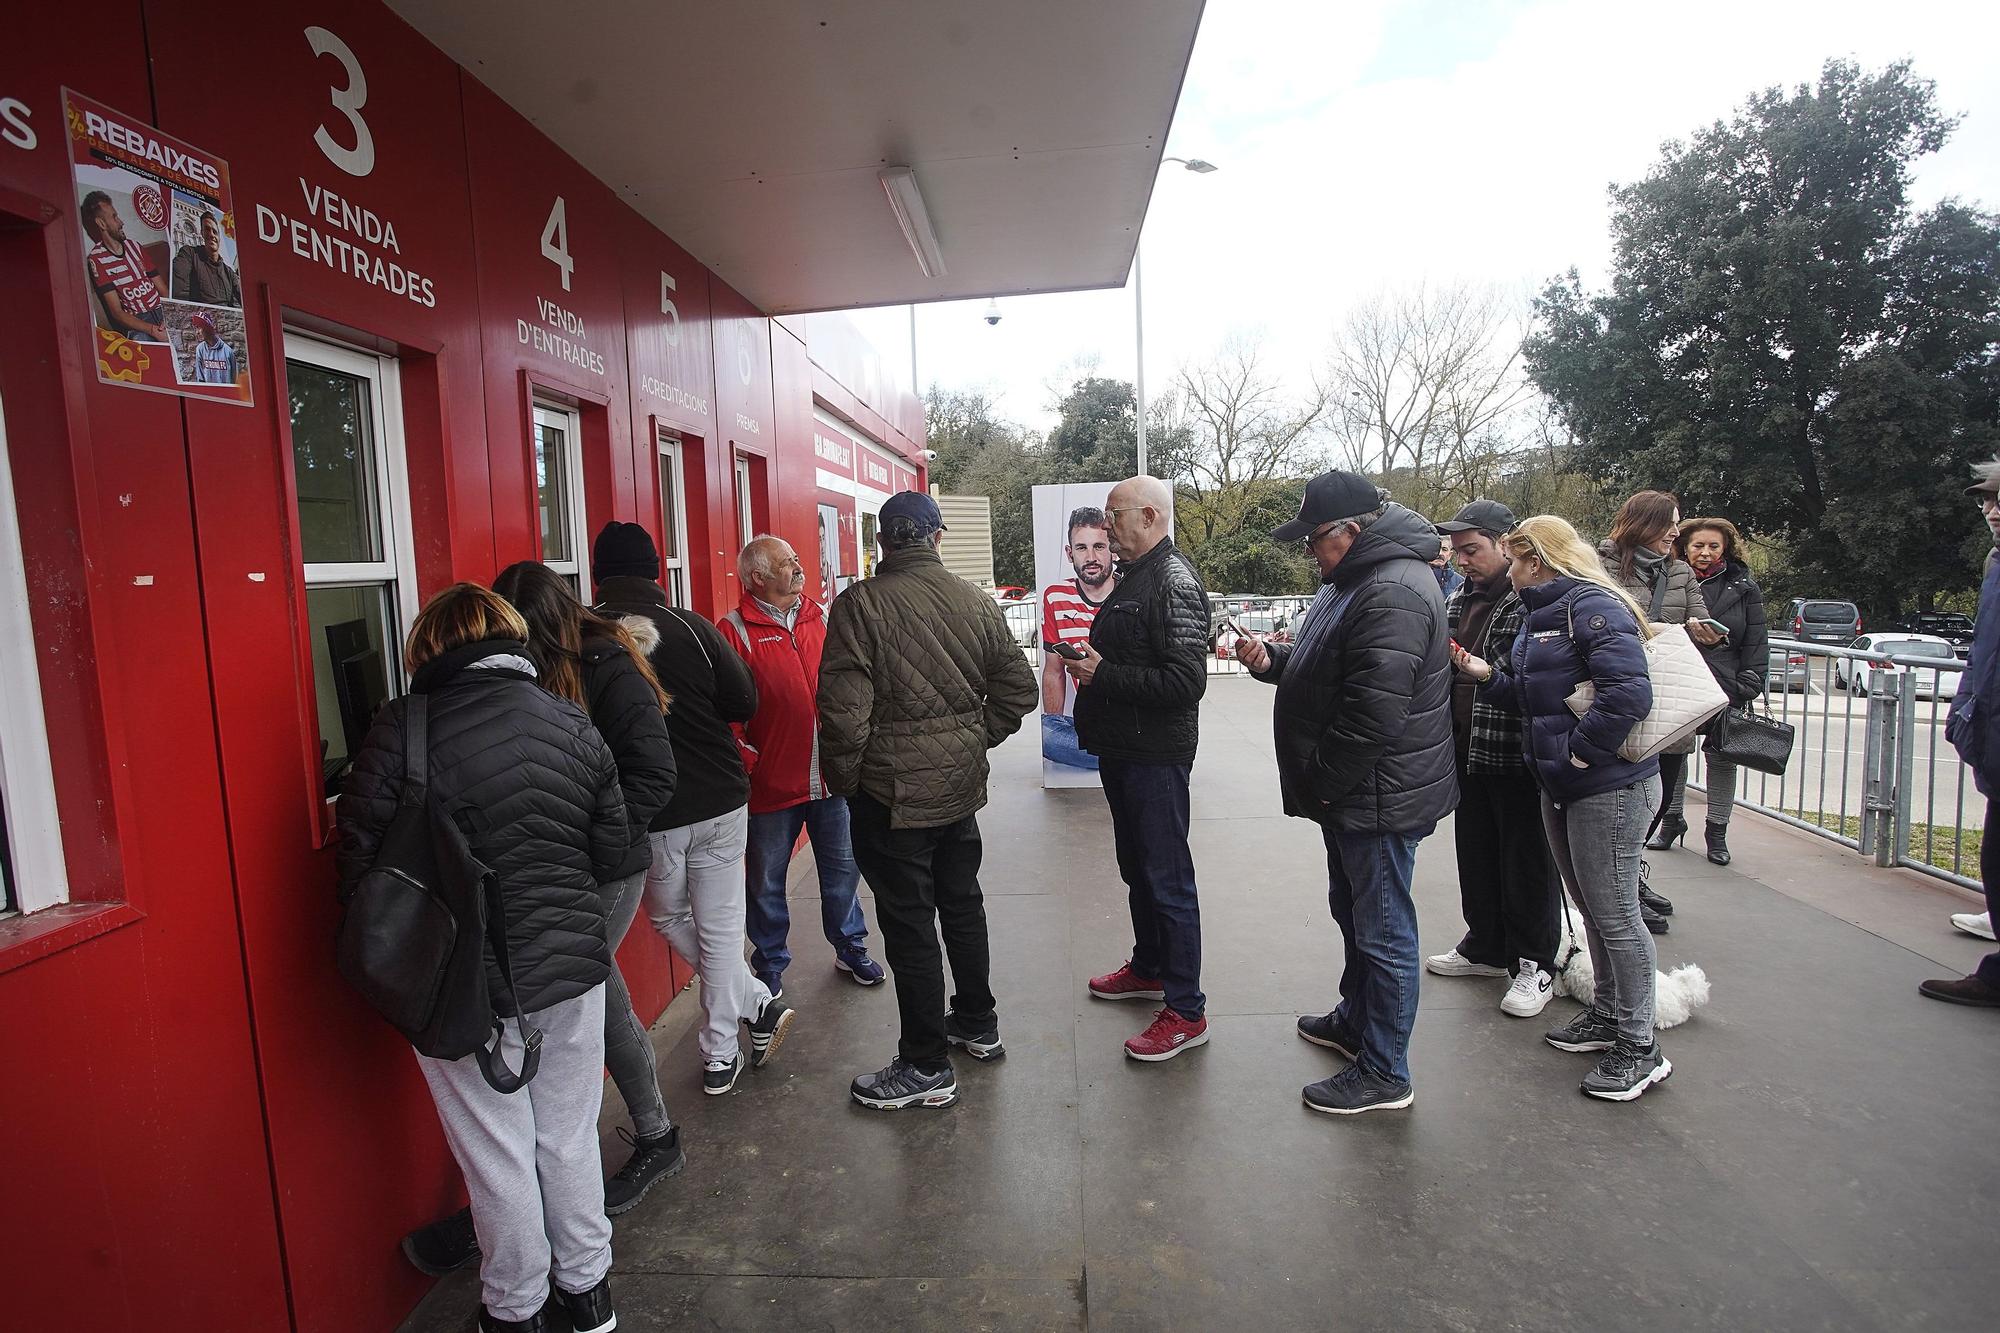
[(203, 1128)]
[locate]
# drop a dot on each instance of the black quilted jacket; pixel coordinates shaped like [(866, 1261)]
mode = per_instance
[(919, 680), (536, 791), (1363, 717), (1144, 703), (627, 714), (1742, 662)]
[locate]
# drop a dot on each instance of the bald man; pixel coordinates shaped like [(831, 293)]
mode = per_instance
[(1138, 698)]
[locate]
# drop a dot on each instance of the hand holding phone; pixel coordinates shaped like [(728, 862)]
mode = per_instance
[(1068, 652), (1717, 628)]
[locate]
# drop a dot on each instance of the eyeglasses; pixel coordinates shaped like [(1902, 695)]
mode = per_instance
[(1128, 509), (1984, 502), (1312, 539)]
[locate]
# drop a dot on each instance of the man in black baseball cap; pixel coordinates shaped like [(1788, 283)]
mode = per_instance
[(1330, 497)]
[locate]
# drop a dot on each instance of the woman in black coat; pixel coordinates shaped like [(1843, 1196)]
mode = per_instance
[(1741, 662), (536, 791)]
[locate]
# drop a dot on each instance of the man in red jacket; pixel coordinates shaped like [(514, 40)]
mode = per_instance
[(780, 632)]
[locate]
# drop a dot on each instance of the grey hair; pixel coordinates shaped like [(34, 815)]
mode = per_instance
[(1984, 474), (755, 557)]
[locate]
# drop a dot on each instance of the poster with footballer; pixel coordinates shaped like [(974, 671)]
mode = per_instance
[(160, 258)]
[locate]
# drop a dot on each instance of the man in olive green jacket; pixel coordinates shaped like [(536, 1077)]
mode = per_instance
[(920, 678)]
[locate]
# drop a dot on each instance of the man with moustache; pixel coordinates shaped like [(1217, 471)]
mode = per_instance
[(781, 633), (1067, 612), (1138, 701)]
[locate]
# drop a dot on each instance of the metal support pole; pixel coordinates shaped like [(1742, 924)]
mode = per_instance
[(1906, 766), (1139, 337), (1878, 766)]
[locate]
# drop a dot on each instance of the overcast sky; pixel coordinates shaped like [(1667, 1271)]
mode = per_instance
[(1365, 146)]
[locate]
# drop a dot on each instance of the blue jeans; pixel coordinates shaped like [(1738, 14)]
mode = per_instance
[(1059, 742), (1149, 826), (1368, 888), (768, 862)]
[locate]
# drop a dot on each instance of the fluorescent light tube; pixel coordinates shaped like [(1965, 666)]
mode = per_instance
[(907, 203)]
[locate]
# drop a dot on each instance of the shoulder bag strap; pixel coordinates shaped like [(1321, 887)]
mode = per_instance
[(416, 751), (492, 1065)]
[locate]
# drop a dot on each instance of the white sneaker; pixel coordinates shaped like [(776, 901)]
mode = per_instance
[(1530, 993), (1455, 964), (1974, 923)]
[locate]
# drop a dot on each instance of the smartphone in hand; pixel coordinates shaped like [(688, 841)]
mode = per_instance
[(1063, 650), (1720, 629)]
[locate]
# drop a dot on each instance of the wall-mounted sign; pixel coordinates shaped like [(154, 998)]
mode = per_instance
[(160, 257)]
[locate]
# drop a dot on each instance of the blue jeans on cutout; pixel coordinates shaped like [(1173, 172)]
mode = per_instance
[(768, 862), (1059, 742), (1149, 825), (1368, 888)]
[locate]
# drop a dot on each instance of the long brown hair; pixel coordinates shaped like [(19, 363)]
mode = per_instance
[(1732, 540), (1641, 519), (461, 614), (557, 626)]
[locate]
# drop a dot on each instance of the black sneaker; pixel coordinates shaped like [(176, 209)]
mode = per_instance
[(589, 1311), (1325, 1030), (538, 1322), (1626, 1071), (978, 1038), (902, 1084), (1588, 1031), (1654, 922), (652, 1161), (719, 1076), (768, 1029), (443, 1247), (1354, 1090), (1654, 903)]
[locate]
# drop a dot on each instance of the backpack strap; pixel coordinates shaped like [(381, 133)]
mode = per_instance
[(416, 750)]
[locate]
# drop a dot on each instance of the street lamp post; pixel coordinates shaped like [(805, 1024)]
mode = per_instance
[(1200, 168)]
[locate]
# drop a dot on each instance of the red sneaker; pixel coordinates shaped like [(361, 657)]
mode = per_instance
[(1125, 984), (1169, 1035)]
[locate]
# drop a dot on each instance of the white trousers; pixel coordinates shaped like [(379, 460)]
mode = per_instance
[(695, 897)]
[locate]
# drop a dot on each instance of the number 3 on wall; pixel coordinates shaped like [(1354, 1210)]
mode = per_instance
[(360, 159), (555, 242)]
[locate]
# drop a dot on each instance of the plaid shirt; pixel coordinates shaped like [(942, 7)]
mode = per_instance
[(1494, 745)]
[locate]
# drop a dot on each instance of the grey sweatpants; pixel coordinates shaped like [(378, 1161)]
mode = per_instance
[(628, 1052), (697, 899), (1595, 842), (530, 1159)]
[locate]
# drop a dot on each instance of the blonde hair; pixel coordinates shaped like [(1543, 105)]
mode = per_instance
[(461, 614), (1556, 544)]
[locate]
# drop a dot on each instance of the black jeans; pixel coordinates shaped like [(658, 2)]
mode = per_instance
[(1989, 872), (1149, 827), (924, 879), (1507, 885)]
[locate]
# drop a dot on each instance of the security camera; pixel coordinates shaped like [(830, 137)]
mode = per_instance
[(993, 311), (930, 455)]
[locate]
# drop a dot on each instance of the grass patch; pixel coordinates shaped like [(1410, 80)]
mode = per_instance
[(1931, 844)]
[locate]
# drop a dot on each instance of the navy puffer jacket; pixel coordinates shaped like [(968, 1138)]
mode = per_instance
[(1547, 663), (536, 791)]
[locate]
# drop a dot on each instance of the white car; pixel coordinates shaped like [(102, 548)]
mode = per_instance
[(1939, 682)]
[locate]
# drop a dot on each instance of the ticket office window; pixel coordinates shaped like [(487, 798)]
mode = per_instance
[(32, 870), (746, 503), (354, 537), (673, 518), (558, 436)]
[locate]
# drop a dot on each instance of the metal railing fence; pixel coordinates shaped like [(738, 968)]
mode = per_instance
[(1870, 766)]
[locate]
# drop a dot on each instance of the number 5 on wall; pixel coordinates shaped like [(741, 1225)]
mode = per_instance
[(360, 159)]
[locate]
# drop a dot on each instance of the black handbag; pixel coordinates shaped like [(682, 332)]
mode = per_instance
[(415, 930), (1750, 739)]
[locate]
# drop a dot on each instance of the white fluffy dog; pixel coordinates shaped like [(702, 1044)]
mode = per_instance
[(1676, 994)]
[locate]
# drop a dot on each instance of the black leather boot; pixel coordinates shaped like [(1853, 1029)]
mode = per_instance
[(1718, 843), (1666, 832), (1657, 904), (1654, 922)]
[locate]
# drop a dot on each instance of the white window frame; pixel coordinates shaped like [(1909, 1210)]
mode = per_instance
[(673, 569), (746, 512), (570, 422), (397, 569), (39, 874)]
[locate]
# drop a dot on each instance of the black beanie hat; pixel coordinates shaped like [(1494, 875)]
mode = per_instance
[(624, 549)]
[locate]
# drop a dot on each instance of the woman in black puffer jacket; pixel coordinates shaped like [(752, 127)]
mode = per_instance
[(536, 790), (1741, 662)]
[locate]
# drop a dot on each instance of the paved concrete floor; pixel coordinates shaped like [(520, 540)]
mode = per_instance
[(1824, 1156)]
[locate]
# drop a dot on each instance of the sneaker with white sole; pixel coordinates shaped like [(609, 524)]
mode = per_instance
[(1627, 1071), (1979, 924), (719, 1076), (768, 1029), (1530, 993), (1452, 963), (900, 1084)]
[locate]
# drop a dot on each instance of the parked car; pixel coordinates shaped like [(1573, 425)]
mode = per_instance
[(1790, 670), (1011, 592), (1824, 621), (1938, 682), (1024, 622), (1950, 626)]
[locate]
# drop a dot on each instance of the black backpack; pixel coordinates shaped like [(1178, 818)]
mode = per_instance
[(415, 930)]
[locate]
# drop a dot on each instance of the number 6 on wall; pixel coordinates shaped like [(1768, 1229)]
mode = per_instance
[(360, 159)]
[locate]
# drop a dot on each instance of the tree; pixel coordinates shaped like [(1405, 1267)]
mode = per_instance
[(980, 454), (1231, 430), (1095, 437), (1784, 342), (1423, 387)]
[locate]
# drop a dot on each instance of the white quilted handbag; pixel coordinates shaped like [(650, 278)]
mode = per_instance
[(1685, 695)]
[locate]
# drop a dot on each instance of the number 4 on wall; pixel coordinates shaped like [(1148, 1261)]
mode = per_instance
[(555, 242)]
